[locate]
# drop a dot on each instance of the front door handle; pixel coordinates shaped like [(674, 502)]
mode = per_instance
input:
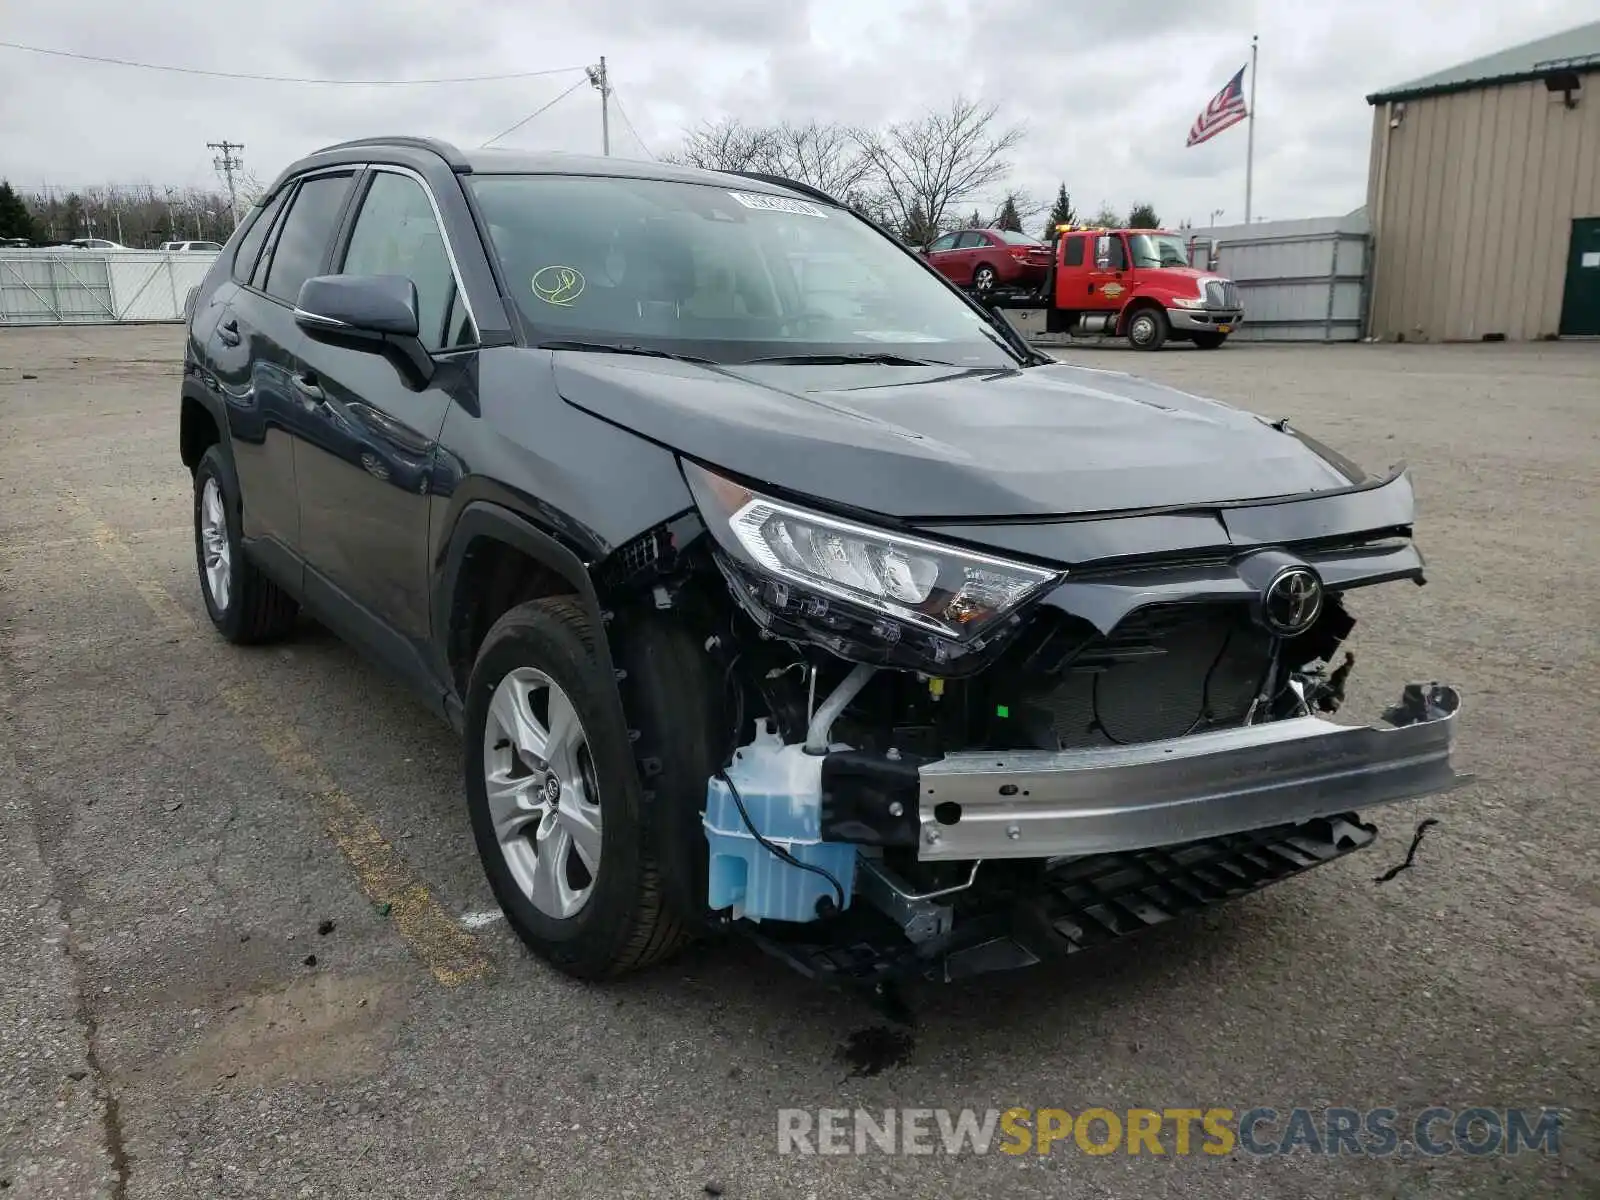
[(228, 332), (306, 384)]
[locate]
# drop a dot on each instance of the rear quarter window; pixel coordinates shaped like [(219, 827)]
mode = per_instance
[(244, 258)]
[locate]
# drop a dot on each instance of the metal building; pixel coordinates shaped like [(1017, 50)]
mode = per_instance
[(1484, 197)]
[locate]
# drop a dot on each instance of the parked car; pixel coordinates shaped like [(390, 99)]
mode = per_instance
[(855, 626), (88, 243), (185, 247), (989, 259)]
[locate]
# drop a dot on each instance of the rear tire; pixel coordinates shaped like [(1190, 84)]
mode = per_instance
[(983, 279), (1209, 341), (1148, 329), (246, 607), (616, 915)]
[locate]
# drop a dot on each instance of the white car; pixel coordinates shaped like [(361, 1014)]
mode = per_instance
[(212, 247), (97, 244)]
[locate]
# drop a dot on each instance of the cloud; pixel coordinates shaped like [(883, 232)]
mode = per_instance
[(1106, 96)]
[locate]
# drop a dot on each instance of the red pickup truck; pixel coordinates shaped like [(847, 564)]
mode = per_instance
[(1132, 283)]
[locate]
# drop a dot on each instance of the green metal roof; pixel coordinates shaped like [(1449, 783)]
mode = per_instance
[(1574, 50)]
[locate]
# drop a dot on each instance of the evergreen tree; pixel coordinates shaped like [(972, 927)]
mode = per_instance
[(975, 221), (919, 230), (1143, 216), (74, 215), (1061, 212), (15, 220), (1008, 218)]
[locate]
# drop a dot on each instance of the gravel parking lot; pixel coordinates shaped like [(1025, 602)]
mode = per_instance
[(246, 949)]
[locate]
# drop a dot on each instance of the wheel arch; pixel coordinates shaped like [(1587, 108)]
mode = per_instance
[(495, 558), (200, 426), (1133, 306)]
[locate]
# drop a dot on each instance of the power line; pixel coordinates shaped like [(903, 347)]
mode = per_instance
[(535, 113), (623, 113), (126, 62)]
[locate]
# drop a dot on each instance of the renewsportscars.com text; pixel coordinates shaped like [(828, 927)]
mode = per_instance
[(1170, 1131)]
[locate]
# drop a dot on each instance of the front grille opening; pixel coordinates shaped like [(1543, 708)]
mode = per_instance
[(1165, 672)]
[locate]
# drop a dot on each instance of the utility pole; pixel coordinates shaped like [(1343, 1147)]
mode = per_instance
[(228, 162), (597, 77)]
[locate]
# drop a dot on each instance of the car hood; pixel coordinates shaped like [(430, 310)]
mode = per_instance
[(941, 442)]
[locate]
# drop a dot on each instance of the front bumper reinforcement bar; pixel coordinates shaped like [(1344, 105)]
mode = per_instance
[(1047, 804)]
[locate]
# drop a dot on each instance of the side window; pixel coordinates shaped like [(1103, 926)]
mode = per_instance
[(1119, 253), (1072, 256), (458, 329), (396, 234), (971, 239), (307, 230), (244, 258), (947, 242)]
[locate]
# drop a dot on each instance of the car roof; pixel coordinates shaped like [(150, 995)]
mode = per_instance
[(533, 162)]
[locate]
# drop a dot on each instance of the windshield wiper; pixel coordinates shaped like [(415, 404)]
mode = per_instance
[(622, 348), (823, 360)]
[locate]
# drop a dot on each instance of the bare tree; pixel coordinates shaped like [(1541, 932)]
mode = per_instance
[(938, 161), (728, 145), (824, 155)]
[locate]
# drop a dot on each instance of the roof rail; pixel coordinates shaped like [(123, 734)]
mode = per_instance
[(443, 149), (794, 185)]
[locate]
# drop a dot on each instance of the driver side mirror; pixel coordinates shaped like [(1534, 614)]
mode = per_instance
[(1102, 253), (377, 313)]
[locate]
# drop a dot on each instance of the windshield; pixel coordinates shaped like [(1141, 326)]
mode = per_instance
[(718, 273), (1158, 250), (1017, 239)]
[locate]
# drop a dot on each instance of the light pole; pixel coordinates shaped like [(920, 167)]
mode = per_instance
[(1215, 213)]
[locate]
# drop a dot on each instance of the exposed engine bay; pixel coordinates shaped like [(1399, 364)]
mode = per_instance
[(1110, 747)]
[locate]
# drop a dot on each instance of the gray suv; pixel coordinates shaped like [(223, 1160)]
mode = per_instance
[(775, 587)]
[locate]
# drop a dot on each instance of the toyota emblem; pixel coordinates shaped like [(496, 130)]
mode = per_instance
[(1292, 601)]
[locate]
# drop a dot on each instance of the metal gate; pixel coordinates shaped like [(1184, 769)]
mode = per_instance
[(88, 287), (1299, 280)]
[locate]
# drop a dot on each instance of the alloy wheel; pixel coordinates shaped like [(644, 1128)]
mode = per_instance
[(543, 796), (215, 550), (1143, 330), (983, 280)]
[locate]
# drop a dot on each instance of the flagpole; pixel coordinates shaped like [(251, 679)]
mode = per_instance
[(1250, 139)]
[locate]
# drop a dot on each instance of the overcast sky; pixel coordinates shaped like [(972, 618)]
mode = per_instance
[(1106, 100)]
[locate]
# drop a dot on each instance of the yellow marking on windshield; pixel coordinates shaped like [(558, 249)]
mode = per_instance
[(557, 284)]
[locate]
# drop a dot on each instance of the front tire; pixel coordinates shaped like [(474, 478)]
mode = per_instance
[(245, 606), (555, 803), (1148, 329)]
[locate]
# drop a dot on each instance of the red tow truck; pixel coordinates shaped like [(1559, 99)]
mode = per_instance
[(1132, 283)]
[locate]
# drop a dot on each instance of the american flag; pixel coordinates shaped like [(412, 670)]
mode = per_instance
[(1226, 108)]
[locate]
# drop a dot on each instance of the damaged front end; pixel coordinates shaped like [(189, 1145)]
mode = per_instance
[(944, 760)]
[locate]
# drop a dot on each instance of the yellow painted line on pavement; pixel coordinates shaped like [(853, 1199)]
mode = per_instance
[(449, 951)]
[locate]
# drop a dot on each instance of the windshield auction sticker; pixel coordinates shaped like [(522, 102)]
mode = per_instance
[(778, 204)]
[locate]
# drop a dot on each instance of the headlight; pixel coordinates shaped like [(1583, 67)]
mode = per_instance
[(945, 589), (1187, 302)]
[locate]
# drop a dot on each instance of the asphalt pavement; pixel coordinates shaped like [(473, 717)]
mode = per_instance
[(246, 948)]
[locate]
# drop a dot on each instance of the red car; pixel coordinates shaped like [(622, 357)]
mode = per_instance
[(985, 259)]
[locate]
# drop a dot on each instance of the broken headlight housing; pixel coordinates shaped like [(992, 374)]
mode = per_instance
[(954, 593)]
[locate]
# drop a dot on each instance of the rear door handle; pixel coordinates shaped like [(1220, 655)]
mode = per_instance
[(228, 331), (306, 384)]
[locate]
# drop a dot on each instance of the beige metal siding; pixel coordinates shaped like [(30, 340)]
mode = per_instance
[(1478, 195)]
